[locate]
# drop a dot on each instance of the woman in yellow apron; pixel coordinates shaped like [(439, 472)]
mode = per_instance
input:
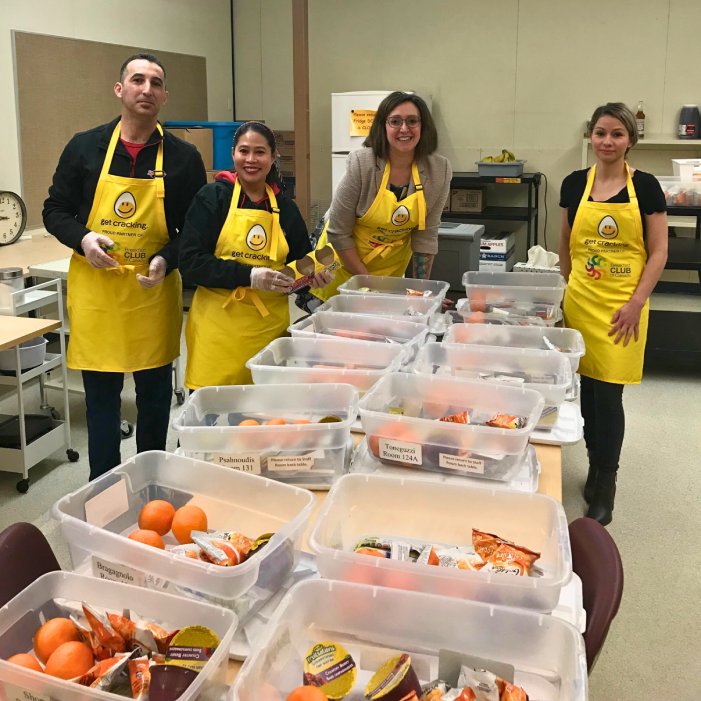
[(390, 201), (613, 249), (240, 231)]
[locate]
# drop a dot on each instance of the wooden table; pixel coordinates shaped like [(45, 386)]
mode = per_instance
[(17, 329), (40, 248)]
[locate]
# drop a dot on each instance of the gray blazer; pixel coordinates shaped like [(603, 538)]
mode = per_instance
[(358, 189)]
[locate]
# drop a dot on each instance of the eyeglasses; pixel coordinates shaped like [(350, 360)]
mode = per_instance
[(411, 122)]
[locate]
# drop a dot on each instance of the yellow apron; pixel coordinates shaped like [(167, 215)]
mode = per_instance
[(225, 328), (383, 234), (608, 257), (116, 325)]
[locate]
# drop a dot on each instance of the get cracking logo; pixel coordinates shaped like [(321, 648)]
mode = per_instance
[(593, 266)]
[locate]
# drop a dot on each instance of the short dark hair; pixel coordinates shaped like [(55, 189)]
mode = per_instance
[(377, 138), (274, 177), (141, 57), (619, 111)]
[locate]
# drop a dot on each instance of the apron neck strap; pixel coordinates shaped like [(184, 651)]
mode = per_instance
[(632, 196), (421, 199)]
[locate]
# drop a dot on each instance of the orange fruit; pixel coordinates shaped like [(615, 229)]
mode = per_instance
[(157, 516), (307, 693), (24, 659), (302, 421), (147, 538), (70, 660), (53, 633), (188, 518), (249, 422), (275, 422)]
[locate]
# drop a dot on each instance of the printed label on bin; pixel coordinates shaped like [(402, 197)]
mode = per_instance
[(399, 451), (15, 693), (456, 462), (243, 462), (293, 463), (115, 572), (107, 505)]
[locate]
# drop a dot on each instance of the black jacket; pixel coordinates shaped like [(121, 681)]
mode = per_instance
[(71, 195), (203, 224)]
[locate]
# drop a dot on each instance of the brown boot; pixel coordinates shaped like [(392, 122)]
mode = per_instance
[(601, 507)]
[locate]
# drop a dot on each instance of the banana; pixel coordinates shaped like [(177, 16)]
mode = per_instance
[(488, 159), (504, 157), (499, 158)]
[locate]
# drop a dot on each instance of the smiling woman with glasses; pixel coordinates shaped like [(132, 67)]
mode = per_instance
[(388, 206)]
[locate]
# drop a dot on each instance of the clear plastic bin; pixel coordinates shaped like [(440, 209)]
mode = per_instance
[(507, 289), (388, 285), (231, 499), (442, 513), (400, 417), (359, 363), (302, 452), (680, 193), (525, 478), (545, 371), (392, 306), (40, 601), (374, 624), (362, 327), (569, 342), (543, 315)]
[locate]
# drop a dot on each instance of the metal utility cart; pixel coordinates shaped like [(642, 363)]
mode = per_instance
[(54, 434)]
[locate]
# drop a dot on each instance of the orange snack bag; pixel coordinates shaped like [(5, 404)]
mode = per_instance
[(485, 543), (461, 418), (511, 559)]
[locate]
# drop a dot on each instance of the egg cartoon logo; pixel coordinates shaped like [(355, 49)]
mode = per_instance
[(125, 206), (400, 216), (256, 239), (608, 228)]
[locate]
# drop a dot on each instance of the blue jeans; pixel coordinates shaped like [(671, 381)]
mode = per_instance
[(103, 403)]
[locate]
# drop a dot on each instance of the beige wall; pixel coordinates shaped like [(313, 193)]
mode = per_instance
[(517, 74), (199, 28)]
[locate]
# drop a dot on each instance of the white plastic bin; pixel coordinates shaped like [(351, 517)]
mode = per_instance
[(442, 513), (569, 342), (545, 371), (389, 285), (400, 417), (359, 363), (506, 289), (31, 354), (302, 451), (408, 308), (41, 600), (232, 500), (375, 624), (542, 315)]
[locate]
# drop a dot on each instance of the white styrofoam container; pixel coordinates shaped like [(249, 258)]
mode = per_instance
[(389, 285), (31, 354), (22, 616), (569, 341), (488, 288), (417, 438), (232, 500), (304, 454), (542, 315), (545, 371), (417, 309), (376, 623), (442, 513), (359, 363)]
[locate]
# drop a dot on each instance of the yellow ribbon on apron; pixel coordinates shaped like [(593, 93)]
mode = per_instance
[(608, 258), (116, 325), (227, 327), (383, 234)]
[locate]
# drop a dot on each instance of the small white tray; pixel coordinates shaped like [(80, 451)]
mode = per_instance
[(568, 430)]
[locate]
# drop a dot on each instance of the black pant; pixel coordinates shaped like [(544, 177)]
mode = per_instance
[(604, 422), (103, 403)]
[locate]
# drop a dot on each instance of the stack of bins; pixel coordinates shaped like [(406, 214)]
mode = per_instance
[(96, 519), (296, 433)]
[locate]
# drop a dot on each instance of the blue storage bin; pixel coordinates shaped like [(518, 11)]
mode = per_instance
[(223, 138)]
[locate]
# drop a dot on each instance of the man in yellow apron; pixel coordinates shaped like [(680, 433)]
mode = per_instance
[(118, 198)]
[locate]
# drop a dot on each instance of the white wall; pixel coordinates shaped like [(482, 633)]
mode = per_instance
[(516, 74), (199, 28)]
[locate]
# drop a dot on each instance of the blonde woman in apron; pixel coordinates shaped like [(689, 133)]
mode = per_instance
[(389, 204), (238, 234), (613, 249)]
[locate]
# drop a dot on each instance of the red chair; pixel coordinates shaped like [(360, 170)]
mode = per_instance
[(25, 555), (597, 562)]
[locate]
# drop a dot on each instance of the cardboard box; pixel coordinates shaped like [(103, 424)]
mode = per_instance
[(498, 266), (211, 175), (473, 200), (285, 143), (498, 243), (286, 165), (202, 138), (488, 255)]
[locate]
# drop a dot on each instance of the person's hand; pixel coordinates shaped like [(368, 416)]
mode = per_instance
[(322, 278), (624, 323), (93, 246), (447, 304), (270, 280), (156, 272)]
